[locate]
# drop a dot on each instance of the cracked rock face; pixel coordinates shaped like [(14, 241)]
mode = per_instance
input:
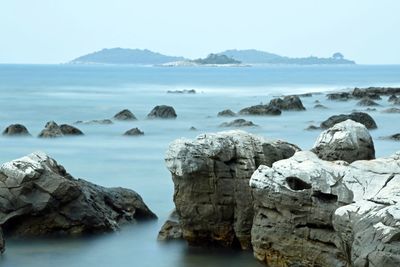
[(211, 184), (38, 197), (310, 212), (347, 140)]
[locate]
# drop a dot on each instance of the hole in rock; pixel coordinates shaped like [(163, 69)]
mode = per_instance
[(324, 197), (297, 184)]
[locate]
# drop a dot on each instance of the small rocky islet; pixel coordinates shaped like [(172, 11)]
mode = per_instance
[(234, 189)]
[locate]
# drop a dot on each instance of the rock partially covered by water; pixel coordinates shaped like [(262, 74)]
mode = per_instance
[(288, 103), (294, 203), (211, 177), (226, 113), (391, 110), (367, 102), (125, 115), (134, 132), (162, 112), (341, 96), (38, 197), (16, 130), (171, 229), (70, 130), (102, 122), (238, 123), (51, 130), (347, 140), (392, 98), (261, 110), (360, 117)]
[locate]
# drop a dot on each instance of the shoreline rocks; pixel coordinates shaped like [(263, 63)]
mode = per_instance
[(51, 130), (16, 130), (226, 113), (292, 102), (238, 123), (134, 132), (360, 117), (162, 112), (70, 130), (125, 115), (261, 110)]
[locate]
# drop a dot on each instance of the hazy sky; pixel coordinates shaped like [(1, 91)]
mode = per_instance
[(56, 31)]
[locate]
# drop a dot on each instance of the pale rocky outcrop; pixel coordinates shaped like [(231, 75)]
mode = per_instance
[(311, 212), (38, 197), (347, 140), (211, 177)]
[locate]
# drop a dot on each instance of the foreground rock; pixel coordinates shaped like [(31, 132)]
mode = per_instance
[(101, 122), (162, 112), (38, 197), (347, 140), (288, 103), (134, 132), (70, 130), (226, 113), (360, 117), (125, 115), (311, 212), (211, 177), (261, 110), (16, 130), (51, 130), (238, 123)]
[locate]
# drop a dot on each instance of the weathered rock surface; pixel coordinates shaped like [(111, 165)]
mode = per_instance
[(70, 130), (51, 130), (162, 112), (125, 115), (101, 122), (38, 197), (238, 123), (347, 140), (288, 103), (171, 229), (134, 132), (261, 110), (311, 212), (367, 102), (360, 117), (211, 177), (226, 113), (16, 130)]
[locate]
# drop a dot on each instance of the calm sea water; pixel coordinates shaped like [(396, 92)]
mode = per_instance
[(35, 94)]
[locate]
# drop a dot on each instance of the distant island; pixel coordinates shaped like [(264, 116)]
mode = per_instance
[(226, 58)]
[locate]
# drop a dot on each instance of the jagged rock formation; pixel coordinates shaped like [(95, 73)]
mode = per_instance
[(261, 110), (134, 132), (51, 130), (288, 103), (38, 197), (211, 177), (162, 112), (125, 115), (16, 130), (347, 140), (360, 117), (311, 212)]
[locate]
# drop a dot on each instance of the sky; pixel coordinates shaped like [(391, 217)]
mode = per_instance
[(57, 31)]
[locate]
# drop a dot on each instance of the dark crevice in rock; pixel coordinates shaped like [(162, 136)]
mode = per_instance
[(324, 197), (297, 184)]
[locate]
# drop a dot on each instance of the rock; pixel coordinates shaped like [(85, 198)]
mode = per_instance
[(211, 177), (342, 96), (226, 113), (125, 115), (396, 101), (311, 212), (192, 128), (391, 110), (366, 101), (371, 109), (51, 130), (38, 197), (261, 110), (16, 130), (312, 128), (395, 137), (305, 95), (392, 98), (317, 102), (347, 140), (294, 203), (319, 106), (185, 91), (162, 112), (2, 242), (102, 122), (70, 130), (375, 91), (288, 103), (238, 123), (134, 132), (360, 117), (171, 229)]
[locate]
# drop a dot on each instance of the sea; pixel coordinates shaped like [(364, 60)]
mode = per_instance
[(34, 94)]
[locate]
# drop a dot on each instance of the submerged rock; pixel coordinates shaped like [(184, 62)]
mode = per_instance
[(70, 130), (16, 130), (185, 91), (38, 197), (288, 103), (211, 177), (319, 106), (367, 102), (347, 140), (395, 137), (392, 98), (391, 110), (342, 96), (226, 113), (125, 115), (162, 112), (102, 122), (360, 117), (51, 130), (312, 128), (134, 132), (238, 123), (261, 110)]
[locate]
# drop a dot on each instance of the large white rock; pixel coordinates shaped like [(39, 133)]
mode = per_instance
[(347, 140)]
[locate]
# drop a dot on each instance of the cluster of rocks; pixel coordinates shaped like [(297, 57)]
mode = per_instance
[(335, 205), (38, 197), (367, 95)]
